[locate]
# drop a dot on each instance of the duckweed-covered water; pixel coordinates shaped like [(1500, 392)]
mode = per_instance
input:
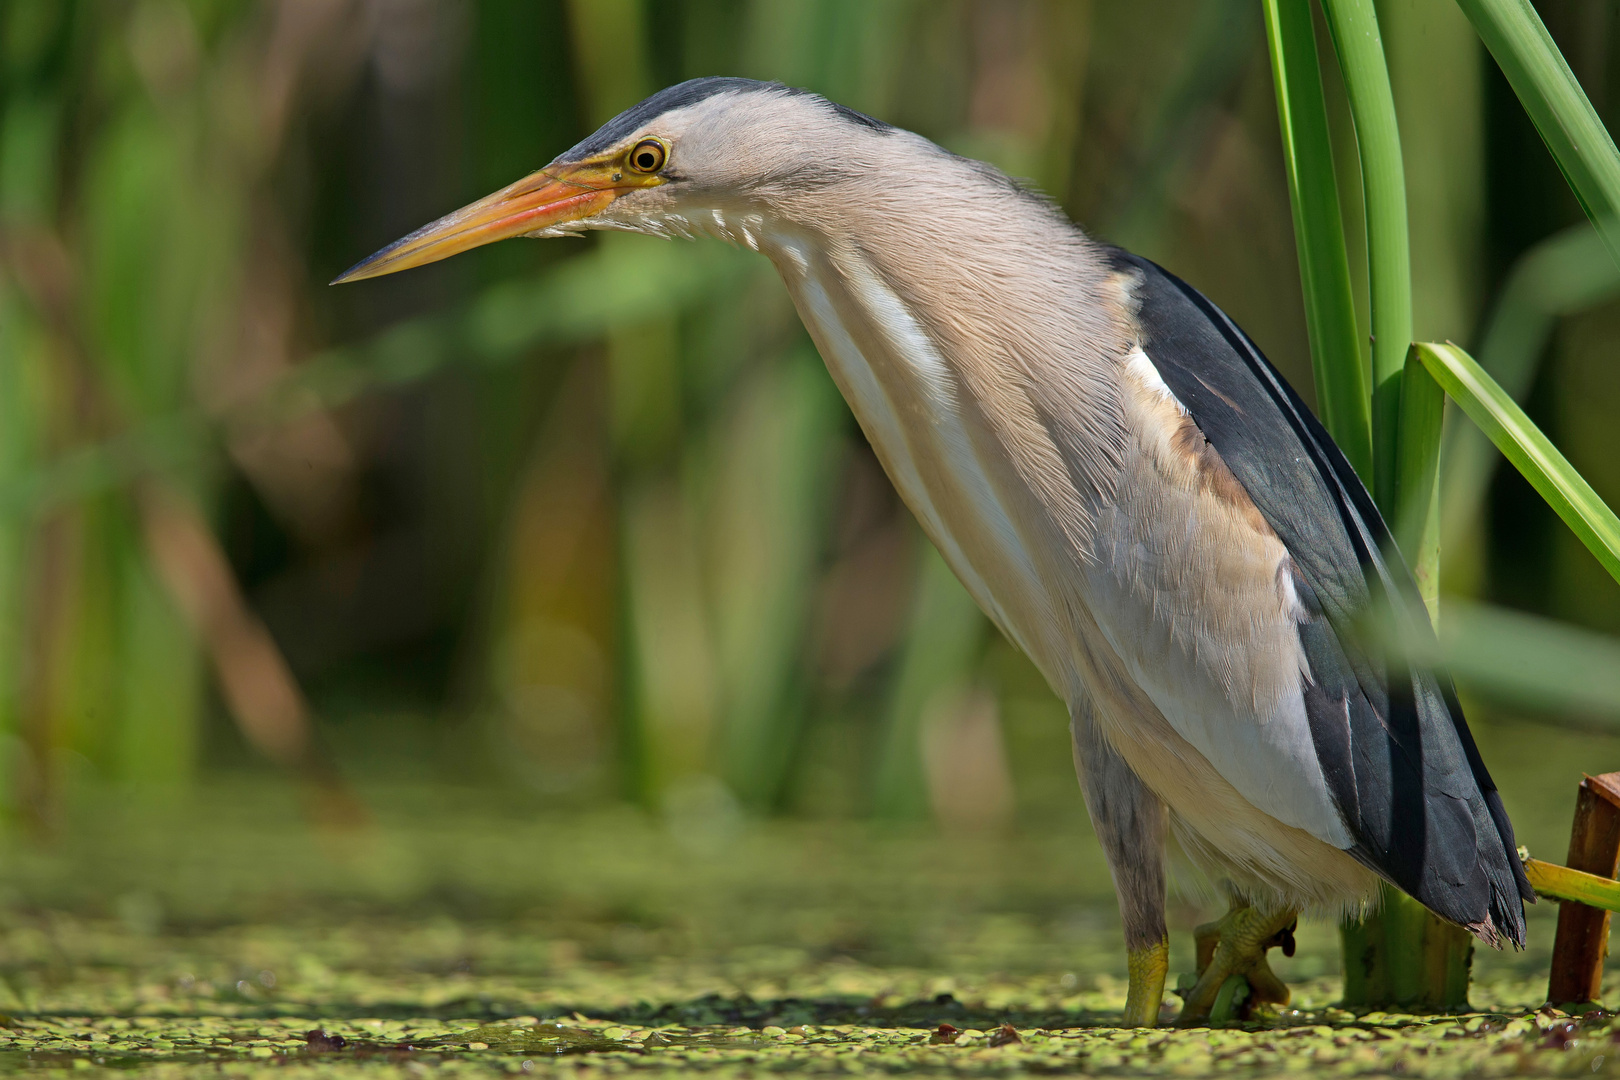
[(452, 935), (1320, 1042)]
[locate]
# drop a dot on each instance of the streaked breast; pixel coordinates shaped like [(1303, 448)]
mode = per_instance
[(933, 440)]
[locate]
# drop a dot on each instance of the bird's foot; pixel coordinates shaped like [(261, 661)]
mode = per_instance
[(1148, 967), (1236, 945)]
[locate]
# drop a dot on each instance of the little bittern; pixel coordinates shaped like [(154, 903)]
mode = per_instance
[(1125, 485)]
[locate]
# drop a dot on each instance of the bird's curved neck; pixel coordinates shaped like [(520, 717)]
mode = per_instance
[(988, 396)]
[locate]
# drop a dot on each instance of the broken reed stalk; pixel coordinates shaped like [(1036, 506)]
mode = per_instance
[(1582, 943), (259, 688)]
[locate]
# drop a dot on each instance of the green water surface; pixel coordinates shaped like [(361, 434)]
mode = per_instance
[(460, 932)]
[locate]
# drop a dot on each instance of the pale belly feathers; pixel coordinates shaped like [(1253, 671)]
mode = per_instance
[(1176, 617)]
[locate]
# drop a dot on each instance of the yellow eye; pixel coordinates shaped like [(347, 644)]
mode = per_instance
[(647, 156)]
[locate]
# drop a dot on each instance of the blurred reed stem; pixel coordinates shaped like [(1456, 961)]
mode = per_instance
[(1560, 109), (944, 636), (1563, 274)]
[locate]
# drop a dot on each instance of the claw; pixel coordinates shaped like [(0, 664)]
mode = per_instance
[(1236, 945), (1284, 938)]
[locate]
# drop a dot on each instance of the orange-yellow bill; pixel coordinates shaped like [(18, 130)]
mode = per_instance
[(553, 196)]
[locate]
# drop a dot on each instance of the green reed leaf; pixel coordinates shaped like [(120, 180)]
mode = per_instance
[(1567, 272), (1548, 471), (1417, 491), (1360, 48), (1550, 94), (1324, 268)]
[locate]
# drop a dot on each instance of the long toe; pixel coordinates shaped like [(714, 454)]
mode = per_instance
[(1264, 985), (1206, 937), (1198, 1001), (1244, 936)]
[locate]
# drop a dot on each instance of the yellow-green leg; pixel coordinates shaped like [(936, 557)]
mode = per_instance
[(1236, 945), (1148, 967), (1130, 823)]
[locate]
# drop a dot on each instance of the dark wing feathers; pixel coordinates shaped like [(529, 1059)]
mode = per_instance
[(1396, 752)]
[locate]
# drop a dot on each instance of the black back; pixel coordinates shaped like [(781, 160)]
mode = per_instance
[(1399, 759)]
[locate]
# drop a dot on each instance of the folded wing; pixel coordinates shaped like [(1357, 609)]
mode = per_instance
[(1388, 739)]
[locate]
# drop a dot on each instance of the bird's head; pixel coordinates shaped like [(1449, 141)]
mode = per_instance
[(666, 166)]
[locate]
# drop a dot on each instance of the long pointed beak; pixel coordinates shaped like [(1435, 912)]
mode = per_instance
[(548, 198)]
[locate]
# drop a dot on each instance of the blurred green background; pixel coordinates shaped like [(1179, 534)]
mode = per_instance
[(582, 524)]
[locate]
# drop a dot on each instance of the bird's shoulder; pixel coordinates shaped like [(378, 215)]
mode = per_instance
[(1257, 427)]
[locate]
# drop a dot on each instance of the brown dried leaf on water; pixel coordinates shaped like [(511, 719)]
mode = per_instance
[(1562, 1035), (1005, 1035), (946, 1033), (320, 1041)]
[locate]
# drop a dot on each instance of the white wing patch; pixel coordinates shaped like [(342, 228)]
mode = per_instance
[(1140, 368), (1194, 592)]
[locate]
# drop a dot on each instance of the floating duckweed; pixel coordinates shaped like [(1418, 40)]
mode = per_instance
[(368, 987)]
